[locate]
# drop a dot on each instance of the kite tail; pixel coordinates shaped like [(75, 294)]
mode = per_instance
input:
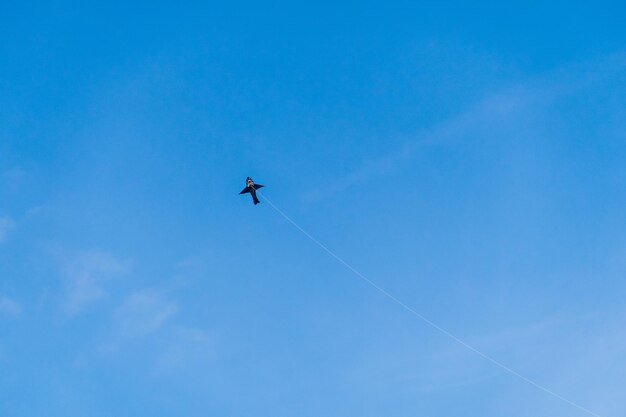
[(254, 197)]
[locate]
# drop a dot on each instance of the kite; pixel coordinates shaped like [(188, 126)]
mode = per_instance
[(251, 188)]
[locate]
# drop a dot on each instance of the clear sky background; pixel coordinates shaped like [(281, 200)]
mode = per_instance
[(470, 159)]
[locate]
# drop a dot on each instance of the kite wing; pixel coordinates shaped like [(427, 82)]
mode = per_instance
[(248, 189)]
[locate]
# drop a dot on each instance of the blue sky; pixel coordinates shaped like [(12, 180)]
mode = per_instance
[(471, 160)]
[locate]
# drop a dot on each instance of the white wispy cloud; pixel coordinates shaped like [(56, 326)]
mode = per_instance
[(504, 112), (142, 313), (185, 346), (9, 307), (85, 279), (499, 110), (149, 319), (6, 225)]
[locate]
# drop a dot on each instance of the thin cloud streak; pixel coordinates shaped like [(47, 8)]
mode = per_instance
[(6, 225), (86, 278), (142, 313), (505, 110), (9, 307)]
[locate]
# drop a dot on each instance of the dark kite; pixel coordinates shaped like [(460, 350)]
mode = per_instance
[(251, 188)]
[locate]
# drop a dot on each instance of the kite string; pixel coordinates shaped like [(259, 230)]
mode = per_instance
[(422, 317)]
